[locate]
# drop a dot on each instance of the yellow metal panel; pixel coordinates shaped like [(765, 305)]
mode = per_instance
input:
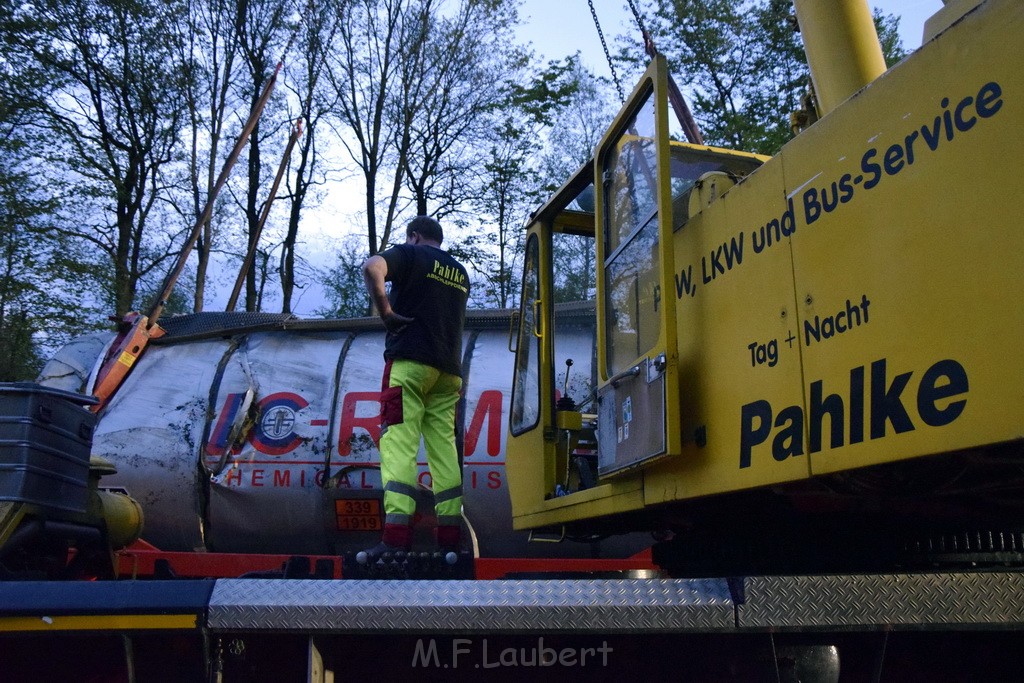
[(618, 496), (909, 287), (112, 622), (951, 12), (528, 463), (736, 327)]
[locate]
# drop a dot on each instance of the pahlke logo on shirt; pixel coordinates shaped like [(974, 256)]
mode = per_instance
[(453, 277)]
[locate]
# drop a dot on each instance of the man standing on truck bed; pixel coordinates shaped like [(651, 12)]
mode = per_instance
[(424, 316)]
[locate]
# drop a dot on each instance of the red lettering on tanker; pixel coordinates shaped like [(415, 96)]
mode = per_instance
[(218, 442), (360, 422), (487, 408), (490, 479), (277, 417), (274, 430), (288, 477), (281, 478), (369, 422)]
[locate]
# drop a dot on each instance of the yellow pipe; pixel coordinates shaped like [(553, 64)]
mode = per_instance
[(123, 516), (842, 48)]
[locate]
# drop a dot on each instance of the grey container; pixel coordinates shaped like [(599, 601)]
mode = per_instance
[(45, 439)]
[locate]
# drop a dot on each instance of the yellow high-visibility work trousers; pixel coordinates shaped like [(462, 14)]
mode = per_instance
[(417, 399)]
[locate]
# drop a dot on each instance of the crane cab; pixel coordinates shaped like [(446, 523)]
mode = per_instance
[(622, 349)]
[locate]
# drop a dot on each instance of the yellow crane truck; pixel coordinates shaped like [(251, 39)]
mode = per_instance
[(809, 362)]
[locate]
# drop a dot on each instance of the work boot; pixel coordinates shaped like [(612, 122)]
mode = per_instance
[(397, 538)]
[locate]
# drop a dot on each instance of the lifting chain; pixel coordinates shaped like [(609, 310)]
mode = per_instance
[(639, 19), (649, 47), (607, 54), (679, 106)]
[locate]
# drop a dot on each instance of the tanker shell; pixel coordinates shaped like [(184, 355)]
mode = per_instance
[(258, 433)]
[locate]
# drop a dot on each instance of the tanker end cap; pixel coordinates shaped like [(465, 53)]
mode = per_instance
[(121, 514)]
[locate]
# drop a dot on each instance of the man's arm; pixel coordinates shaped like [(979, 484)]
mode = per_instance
[(375, 270)]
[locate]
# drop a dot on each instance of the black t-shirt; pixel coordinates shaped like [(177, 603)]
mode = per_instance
[(431, 287)]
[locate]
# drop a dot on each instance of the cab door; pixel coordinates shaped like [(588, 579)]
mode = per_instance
[(637, 350), (529, 454)]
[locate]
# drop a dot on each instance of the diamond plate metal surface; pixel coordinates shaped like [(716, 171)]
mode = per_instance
[(912, 601), (472, 606)]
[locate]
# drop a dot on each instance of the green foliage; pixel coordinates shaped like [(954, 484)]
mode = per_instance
[(343, 283), (19, 358), (102, 84), (549, 90), (888, 28), (743, 66), (40, 274), (579, 125)]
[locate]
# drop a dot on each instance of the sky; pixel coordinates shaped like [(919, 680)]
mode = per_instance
[(558, 28)]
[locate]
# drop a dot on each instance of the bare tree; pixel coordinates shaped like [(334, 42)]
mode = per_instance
[(112, 111), (320, 25), (363, 78), (212, 48), (453, 78), (582, 122), (417, 82), (263, 27), (508, 183)]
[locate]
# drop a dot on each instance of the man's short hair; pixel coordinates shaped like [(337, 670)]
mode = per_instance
[(427, 228)]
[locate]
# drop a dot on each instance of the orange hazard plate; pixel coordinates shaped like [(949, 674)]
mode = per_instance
[(358, 514)]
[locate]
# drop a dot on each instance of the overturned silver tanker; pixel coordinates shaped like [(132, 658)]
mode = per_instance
[(248, 432)]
